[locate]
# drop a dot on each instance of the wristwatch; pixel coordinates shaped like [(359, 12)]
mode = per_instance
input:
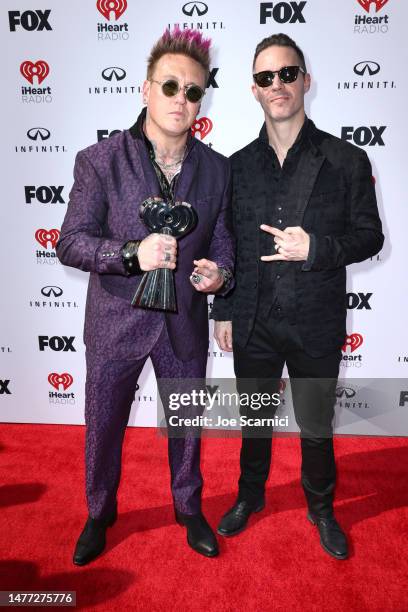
[(130, 258)]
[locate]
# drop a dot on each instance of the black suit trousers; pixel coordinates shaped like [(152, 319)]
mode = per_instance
[(258, 368)]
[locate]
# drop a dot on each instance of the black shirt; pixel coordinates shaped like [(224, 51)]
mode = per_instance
[(277, 297)]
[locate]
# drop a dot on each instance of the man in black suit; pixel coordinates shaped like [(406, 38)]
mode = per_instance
[(304, 208)]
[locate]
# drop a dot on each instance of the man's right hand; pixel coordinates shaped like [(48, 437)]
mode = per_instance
[(223, 334), (157, 251)]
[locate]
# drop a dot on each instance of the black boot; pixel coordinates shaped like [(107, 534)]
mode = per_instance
[(200, 536), (318, 481), (92, 540), (236, 519), (332, 537)]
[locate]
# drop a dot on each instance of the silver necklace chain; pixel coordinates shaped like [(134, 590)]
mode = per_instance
[(178, 162), (165, 166)]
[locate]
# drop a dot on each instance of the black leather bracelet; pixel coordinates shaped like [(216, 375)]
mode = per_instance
[(227, 276), (130, 258)]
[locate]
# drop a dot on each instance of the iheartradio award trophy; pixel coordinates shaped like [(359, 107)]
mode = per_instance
[(156, 290)]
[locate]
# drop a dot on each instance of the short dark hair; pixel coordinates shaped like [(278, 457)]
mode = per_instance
[(184, 42), (279, 40)]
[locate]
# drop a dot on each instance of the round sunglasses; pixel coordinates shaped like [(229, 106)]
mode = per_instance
[(171, 87), (287, 74)]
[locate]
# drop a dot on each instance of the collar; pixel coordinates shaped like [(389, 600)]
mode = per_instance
[(137, 132), (302, 139)]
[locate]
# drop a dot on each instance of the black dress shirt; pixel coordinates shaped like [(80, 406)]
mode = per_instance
[(277, 278)]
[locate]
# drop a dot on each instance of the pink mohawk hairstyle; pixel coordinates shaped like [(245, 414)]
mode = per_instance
[(185, 42), (191, 37)]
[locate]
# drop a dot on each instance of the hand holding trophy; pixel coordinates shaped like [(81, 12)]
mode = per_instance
[(156, 289)]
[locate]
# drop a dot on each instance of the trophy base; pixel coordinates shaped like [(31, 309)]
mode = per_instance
[(156, 291)]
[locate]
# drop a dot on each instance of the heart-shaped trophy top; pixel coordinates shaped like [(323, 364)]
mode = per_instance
[(180, 217)]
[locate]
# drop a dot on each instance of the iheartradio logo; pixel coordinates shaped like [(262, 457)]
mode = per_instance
[(109, 8), (379, 4), (64, 379), (353, 341), (29, 70), (45, 236), (202, 126)]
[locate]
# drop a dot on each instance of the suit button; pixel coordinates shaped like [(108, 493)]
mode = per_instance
[(279, 208), (280, 221), (278, 276)]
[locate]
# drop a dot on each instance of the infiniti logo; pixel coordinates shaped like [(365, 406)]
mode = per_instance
[(195, 7), (113, 72), (51, 290), (347, 392), (371, 67), (38, 132)]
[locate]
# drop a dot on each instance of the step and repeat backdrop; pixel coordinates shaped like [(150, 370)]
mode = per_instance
[(72, 75)]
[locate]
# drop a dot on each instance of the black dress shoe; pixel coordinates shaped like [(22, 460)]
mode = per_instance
[(200, 536), (235, 520), (332, 537), (92, 540)]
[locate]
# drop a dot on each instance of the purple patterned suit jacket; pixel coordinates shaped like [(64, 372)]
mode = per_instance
[(112, 178)]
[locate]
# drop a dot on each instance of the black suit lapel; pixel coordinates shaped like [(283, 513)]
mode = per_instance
[(307, 171), (261, 191)]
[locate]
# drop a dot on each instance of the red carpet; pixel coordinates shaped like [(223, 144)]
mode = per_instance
[(277, 564)]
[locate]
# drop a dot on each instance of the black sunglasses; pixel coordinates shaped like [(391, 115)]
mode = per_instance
[(171, 87), (288, 74)]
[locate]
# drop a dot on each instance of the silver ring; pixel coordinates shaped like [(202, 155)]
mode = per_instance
[(277, 247), (196, 278), (167, 257)]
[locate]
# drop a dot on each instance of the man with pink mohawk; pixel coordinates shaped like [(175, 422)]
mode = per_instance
[(157, 158)]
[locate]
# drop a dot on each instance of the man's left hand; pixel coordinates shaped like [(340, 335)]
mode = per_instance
[(292, 244), (211, 277)]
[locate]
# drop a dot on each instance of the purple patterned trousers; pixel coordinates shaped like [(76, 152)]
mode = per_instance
[(110, 389)]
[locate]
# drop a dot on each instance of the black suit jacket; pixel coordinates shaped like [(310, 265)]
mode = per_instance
[(335, 203)]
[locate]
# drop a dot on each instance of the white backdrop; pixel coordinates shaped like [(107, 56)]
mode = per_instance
[(65, 52)]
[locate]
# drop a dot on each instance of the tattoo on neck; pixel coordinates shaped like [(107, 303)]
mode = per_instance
[(166, 158)]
